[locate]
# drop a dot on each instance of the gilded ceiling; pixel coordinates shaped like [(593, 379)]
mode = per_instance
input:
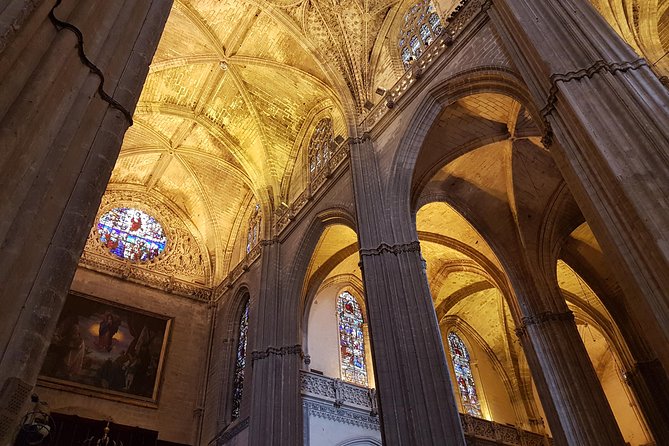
[(232, 96), (236, 88)]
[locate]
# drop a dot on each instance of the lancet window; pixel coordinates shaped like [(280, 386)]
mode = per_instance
[(253, 235), (320, 146), (421, 27), (351, 340), (463, 375), (240, 362)]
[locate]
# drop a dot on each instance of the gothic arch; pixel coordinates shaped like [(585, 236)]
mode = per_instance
[(498, 80), (295, 283)]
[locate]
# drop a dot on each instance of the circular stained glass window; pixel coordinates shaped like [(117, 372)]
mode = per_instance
[(131, 234)]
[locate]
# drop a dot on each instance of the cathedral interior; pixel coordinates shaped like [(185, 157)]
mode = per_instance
[(334, 222)]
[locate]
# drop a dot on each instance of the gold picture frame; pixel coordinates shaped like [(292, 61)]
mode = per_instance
[(108, 350)]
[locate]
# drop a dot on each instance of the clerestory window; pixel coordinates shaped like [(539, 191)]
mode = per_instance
[(421, 27)]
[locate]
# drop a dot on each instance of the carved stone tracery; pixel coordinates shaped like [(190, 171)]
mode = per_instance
[(183, 268)]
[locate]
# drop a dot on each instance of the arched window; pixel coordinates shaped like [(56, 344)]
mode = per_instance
[(253, 235), (320, 146), (421, 27), (131, 234), (463, 375), (240, 362), (351, 340)]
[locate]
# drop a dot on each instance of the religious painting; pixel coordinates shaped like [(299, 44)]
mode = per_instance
[(107, 348)]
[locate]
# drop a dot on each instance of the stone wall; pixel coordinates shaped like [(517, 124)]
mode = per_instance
[(176, 416)]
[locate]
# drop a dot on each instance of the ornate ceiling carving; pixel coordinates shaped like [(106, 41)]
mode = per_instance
[(230, 98)]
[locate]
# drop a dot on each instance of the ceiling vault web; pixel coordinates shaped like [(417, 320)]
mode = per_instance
[(228, 104), (217, 131), (202, 27), (239, 83)]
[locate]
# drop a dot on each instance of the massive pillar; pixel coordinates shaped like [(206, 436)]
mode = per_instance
[(276, 359), (61, 130), (417, 403), (568, 385), (609, 114)]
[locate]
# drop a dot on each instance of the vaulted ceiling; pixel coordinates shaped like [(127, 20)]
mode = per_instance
[(231, 98), (234, 91)]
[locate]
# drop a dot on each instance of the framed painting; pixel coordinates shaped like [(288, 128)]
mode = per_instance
[(114, 351)]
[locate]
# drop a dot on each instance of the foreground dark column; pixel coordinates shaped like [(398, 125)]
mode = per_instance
[(417, 403), (276, 359), (59, 141), (609, 114)]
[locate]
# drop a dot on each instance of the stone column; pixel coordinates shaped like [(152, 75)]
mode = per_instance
[(60, 137), (417, 404), (567, 383), (276, 359), (605, 115), (368, 356), (650, 385)]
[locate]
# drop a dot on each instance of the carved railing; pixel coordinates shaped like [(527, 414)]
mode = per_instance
[(340, 393), (501, 434), (285, 215), (238, 270), (453, 26), (142, 275), (340, 401), (335, 400)]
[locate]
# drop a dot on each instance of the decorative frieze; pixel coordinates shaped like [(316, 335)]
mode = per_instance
[(542, 318), (278, 351), (341, 415), (392, 249)]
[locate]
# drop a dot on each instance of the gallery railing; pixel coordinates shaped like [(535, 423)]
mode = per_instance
[(337, 400)]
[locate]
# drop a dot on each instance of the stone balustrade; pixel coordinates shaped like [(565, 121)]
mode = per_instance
[(343, 402)]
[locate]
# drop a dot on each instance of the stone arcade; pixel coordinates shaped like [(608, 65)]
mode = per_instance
[(335, 222)]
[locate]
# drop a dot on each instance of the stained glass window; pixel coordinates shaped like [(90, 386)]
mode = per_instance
[(463, 375), (240, 363), (421, 27), (253, 234), (351, 340), (320, 146), (131, 234)]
